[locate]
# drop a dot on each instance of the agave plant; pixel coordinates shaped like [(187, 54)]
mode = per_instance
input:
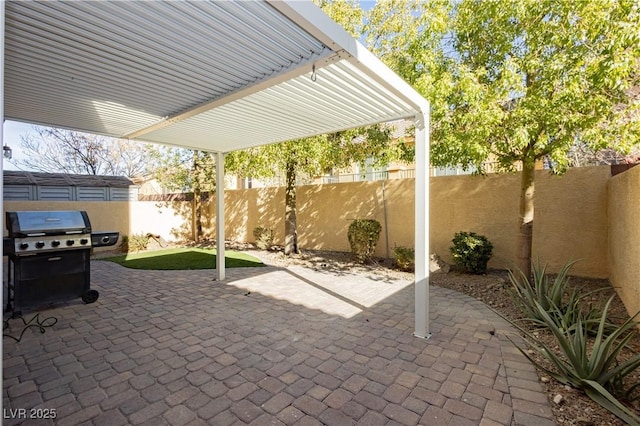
[(631, 393), (539, 294), (572, 311), (554, 298), (598, 372)]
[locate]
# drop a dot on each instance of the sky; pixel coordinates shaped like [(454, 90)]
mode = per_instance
[(366, 5), (12, 133)]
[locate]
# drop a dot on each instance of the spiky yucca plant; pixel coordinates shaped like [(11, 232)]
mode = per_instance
[(542, 294), (540, 291), (598, 372)]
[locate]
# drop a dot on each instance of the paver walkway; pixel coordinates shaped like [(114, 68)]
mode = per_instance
[(267, 346)]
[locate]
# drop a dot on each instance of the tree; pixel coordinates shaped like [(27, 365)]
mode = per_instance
[(345, 12), (517, 81), (311, 157), (64, 151), (582, 155), (186, 170), (318, 154)]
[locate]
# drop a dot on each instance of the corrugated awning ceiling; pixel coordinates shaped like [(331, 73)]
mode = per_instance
[(289, 110), (212, 75)]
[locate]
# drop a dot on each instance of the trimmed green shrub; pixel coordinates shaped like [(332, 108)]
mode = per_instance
[(471, 252), (133, 243), (404, 258), (263, 237), (363, 237)]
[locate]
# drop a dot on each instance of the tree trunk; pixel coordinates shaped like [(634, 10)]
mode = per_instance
[(290, 219), (525, 234)]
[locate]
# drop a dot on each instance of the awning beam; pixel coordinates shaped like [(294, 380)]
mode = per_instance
[(220, 236)]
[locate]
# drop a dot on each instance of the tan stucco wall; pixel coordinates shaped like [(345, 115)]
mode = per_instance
[(484, 205), (324, 213), (247, 209), (624, 236), (584, 214), (570, 221), (171, 219)]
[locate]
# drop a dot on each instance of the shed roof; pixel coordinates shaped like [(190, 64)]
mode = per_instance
[(15, 177), (213, 75)]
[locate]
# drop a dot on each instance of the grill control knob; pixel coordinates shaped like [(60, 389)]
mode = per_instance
[(55, 243), (23, 246), (84, 241), (40, 244), (71, 242)]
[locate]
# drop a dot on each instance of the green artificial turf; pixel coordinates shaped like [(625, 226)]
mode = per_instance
[(183, 258)]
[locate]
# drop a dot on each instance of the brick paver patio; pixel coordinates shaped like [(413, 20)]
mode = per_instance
[(267, 346)]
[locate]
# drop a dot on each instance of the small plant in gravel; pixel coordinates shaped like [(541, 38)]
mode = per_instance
[(404, 258), (263, 237), (471, 252), (363, 237), (134, 243)]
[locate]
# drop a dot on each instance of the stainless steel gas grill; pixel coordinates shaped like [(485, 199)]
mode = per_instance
[(49, 256)]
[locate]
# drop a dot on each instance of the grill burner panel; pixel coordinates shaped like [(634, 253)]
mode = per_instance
[(50, 243)]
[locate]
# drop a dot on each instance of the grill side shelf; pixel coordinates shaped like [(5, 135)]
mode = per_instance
[(104, 239)]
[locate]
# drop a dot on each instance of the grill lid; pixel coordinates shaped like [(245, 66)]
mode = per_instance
[(29, 223)]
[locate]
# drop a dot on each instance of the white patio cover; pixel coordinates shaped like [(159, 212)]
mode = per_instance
[(212, 75)]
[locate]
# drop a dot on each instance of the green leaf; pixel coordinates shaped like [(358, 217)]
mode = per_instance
[(599, 394)]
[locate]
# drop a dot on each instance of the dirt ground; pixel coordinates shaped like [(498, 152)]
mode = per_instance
[(574, 408)]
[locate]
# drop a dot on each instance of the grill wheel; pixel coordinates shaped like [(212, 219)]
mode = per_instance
[(90, 296)]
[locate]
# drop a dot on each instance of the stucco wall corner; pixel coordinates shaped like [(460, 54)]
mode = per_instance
[(624, 236)]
